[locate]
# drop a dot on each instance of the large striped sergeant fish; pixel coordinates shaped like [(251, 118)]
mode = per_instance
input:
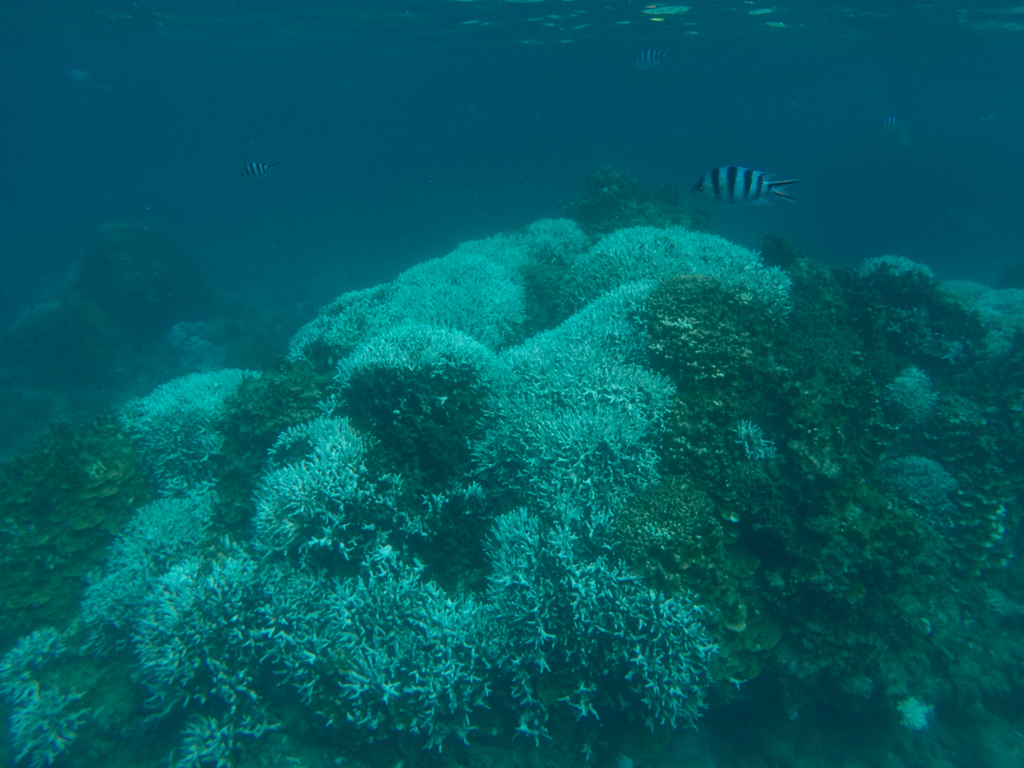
[(736, 185)]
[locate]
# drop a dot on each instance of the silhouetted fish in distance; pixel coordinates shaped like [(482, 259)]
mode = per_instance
[(257, 170), (650, 57)]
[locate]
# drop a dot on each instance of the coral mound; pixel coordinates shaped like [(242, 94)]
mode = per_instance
[(550, 499)]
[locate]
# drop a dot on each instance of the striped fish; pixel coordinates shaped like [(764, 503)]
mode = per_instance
[(649, 57), (78, 75), (257, 170), (892, 124), (735, 185)]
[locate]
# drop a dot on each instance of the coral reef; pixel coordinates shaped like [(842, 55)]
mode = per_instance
[(575, 413), (615, 200), (910, 396), (920, 481), (178, 427), (160, 535), (649, 253), (778, 425), (472, 290), (1001, 312), (341, 325), (479, 289), (540, 491), (420, 390), (576, 630), (318, 501), (133, 311), (414, 655), (60, 508), (44, 719)]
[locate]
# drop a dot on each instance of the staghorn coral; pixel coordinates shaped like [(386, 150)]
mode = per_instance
[(318, 502), (648, 253), (554, 241), (160, 535), (206, 740), (199, 643), (44, 717), (178, 427), (411, 654), (575, 413), (476, 290), (420, 391), (573, 630), (341, 325), (466, 291)]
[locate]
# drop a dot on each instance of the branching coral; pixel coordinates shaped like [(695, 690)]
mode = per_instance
[(44, 718), (199, 641), (649, 253), (464, 291), (420, 391), (411, 654), (575, 412), (160, 535), (178, 427), (318, 502), (476, 290), (342, 324), (568, 617)]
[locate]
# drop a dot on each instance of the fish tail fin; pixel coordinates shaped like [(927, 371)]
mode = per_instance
[(779, 192)]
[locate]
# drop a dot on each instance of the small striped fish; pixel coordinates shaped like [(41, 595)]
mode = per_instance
[(257, 170), (735, 185), (649, 57), (78, 75), (893, 124)]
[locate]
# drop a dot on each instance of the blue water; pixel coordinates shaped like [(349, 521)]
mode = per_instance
[(400, 128)]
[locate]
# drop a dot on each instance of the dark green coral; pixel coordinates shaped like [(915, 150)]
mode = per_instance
[(61, 505), (811, 571)]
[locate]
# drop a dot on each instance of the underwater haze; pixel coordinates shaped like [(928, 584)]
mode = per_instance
[(402, 126), (511, 384)]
